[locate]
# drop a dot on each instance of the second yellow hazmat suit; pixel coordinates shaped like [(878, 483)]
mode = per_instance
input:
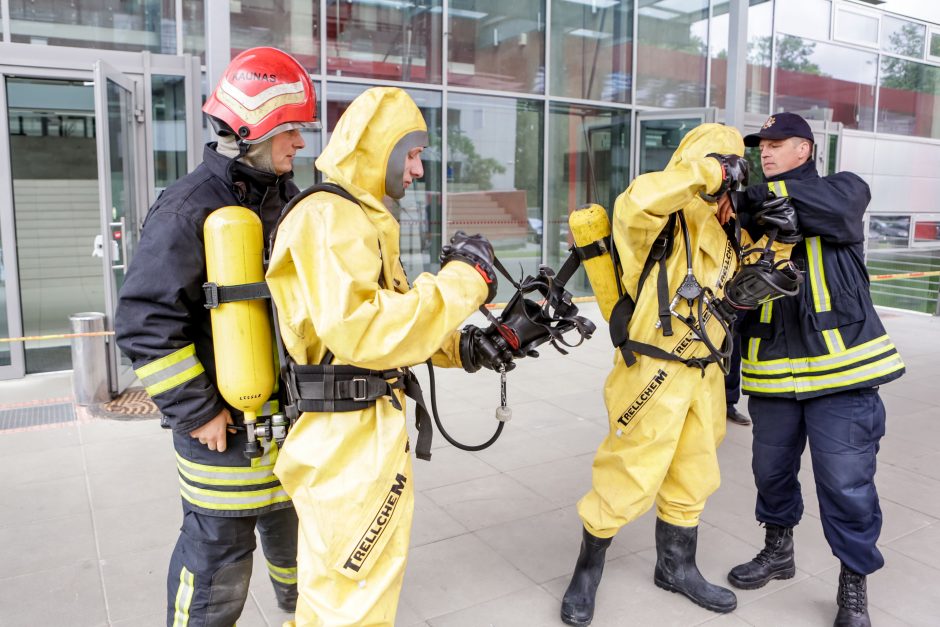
[(666, 418), (337, 280)]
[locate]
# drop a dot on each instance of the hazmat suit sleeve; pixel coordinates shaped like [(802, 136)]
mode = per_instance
[(324, 277), (642, 211)]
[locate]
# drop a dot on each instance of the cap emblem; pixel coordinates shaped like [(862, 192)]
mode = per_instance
[(770, 122)]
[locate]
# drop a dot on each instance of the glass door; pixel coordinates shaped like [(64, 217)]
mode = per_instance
[(12, 359), (659, 133), (118, 117)]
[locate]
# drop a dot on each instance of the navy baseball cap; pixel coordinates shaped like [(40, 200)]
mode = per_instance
[(780, 126)]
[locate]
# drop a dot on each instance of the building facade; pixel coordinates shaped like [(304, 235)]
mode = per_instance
[(534, 107)]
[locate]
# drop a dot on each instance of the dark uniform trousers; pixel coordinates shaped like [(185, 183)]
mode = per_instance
[(210, 569), (843, 430)]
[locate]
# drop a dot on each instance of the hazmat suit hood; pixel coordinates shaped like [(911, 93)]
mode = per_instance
[(704, 140), (367, 150)]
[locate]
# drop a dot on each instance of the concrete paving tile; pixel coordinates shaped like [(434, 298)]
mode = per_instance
[(726, 620), (135, 583), (734, 462), (449, 465), (455, 574), (488, 501), (810, 602), (731, 508), (927, 465), (407, 615), (530, 607), (578, 437), (46, 464), (922, 545), (104, 430), (899, 521), (517, 448), (525, 544), (146, 525), (900, 404), (920, 493), (110, 490), (127, 455), (252, 616), (562, 482), (40, 439), (431, 523), (540, 416), (68, 595), (151, 620), (811, 550), (627, 590), (588, 406), (42, 500), (34, 546)]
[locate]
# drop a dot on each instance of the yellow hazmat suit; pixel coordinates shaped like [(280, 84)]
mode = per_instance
[(666, 419), (337, 280)]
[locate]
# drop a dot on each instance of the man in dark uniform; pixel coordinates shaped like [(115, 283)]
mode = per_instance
[(262, 101), (812, 364)]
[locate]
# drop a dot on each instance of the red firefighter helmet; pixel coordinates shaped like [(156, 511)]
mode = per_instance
[(263, 91)]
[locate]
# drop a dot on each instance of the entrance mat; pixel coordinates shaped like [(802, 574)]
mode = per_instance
[(36, 415), (134, 404)]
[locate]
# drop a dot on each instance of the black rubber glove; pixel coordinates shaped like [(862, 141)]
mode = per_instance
[(733, 175), (780, 214), (479, 349), (476, 251)]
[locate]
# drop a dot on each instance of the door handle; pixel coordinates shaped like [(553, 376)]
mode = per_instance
[(117, 233)]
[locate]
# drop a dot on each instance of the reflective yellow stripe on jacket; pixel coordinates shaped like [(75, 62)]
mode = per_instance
[(170, 371), (231, 488), (835, 370)]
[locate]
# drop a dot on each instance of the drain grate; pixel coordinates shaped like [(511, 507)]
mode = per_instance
[(35, 416), (132, 405)]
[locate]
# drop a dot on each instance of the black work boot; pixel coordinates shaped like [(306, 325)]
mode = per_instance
[(577, 608), (852, 600), (676, 570), (775, 561)]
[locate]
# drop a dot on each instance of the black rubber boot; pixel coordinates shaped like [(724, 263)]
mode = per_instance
[(676, 570), (775, 561), (852, 600), (577, 608)]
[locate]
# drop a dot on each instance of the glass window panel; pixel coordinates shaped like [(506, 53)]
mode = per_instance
[(805, 18), (592, 49), (494, 44), (385, 39), (169, 129), (494, 176), (194, 28), (907, 103), (292, 26), (55, 205), (589, 162), (902, 37), (926, 231), (888, 231), (671, 53), (934, 44), (419, 212), (813, 75), (107, 24), (304, 168), (856, 27), (759, 37)]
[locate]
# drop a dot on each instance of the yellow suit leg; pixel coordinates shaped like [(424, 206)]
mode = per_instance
[(693, 475), (350, 479), (647, 406)]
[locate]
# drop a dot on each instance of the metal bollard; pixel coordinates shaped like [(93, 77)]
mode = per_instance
[(89, 359)]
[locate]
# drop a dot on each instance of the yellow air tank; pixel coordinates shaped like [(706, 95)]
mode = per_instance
[(241, 330), (589, 224)]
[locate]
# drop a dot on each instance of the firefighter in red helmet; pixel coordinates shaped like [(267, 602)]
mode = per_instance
[(263, 101)]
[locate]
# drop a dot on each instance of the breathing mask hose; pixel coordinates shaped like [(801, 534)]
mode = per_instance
[(440, 427)]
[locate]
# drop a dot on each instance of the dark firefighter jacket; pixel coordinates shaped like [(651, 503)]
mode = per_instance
[(828, 337), (163, 327)]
